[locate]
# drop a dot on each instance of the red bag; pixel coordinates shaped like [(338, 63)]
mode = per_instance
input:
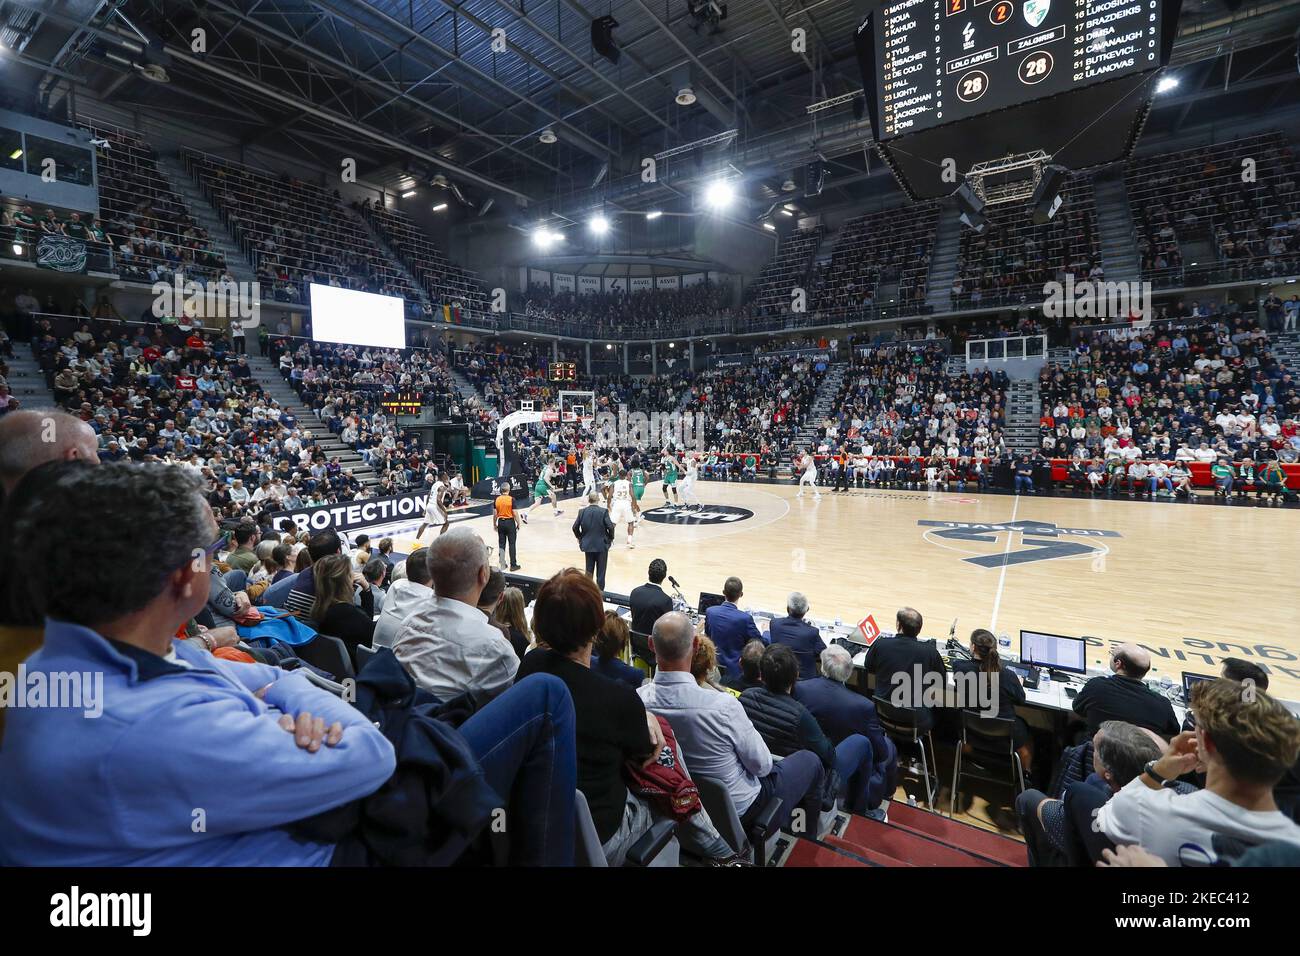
[(663, 783)]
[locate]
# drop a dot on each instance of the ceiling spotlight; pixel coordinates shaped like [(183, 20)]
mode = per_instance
[(787, 211), (685, 96), (599, 224), (440, 207), (542, 237), (1166, 83), (672, 345), (769, 224), (718, 195), (608, 347), (548, 136), (788, 186), (653, 214), (408, 194), (16, 154)]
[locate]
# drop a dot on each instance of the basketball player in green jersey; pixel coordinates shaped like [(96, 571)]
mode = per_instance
[(669, 465), (637, 475)]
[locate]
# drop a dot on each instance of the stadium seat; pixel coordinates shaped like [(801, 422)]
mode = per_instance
[(330, 654), (656, 847), (990, 742), (761, 834), (900, 723)]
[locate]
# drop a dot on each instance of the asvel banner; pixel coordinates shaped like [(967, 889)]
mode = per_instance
[(61, 253), (667, 282), (562, 282), (355, 514), (588, 284)]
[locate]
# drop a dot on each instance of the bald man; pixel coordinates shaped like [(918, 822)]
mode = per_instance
[(31, 438), (1124, 695)]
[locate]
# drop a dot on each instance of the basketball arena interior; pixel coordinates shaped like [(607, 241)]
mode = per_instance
[(905, 392)]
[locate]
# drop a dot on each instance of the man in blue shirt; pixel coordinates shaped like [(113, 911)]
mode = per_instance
[(157, 753), (798, 635), (730, 628)]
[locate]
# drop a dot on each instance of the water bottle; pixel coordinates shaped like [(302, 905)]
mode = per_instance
[(1004, 642), (1044, 679)]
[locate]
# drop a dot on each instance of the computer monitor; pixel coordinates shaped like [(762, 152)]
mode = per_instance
[(709, 599), (1055, 651), (1190, 679)]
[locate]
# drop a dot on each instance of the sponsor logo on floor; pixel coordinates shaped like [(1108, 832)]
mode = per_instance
[(706, 515)]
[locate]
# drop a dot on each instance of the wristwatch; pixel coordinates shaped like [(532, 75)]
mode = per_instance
[(1150, 771)]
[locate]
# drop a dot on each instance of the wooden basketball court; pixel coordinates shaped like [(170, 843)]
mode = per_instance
[(1194, 583)]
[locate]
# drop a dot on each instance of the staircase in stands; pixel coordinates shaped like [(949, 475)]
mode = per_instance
[(810, 432), (943, 258), (267, 373), (1117, 234), (382, 245), (1286, 347), (1022, 413), (184, 186), (26, 383), (910, 836)]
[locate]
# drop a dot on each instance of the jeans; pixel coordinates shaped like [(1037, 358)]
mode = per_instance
[(797, 781), (525, 741), (696, 834), (1025, 482)]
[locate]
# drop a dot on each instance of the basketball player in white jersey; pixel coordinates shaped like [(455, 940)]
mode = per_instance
[(588, 472), (435, 513), (809, 476), (622, 504), (689, 498)]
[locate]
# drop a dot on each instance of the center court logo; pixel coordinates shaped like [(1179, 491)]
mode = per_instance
[(709, 515), (1030, 541)]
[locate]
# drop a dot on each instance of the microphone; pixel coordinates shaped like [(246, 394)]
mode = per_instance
[(673, 581)]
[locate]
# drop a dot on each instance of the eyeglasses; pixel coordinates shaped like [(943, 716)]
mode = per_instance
[(221, 542)]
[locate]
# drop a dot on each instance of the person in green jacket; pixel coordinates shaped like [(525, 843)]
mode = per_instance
[(1223, 474), (1272, 479)]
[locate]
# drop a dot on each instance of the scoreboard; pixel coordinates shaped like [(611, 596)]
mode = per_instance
[(563, 372), (941, 61), (402, 403)]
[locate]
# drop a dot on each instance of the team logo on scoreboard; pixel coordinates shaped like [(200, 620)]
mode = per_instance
[(709, 514), (1030, 541), (1036, 11)]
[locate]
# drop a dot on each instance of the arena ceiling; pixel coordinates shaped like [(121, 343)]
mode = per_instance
[(417, 88)]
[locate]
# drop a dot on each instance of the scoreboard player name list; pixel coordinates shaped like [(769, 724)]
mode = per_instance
[(1092, 40)]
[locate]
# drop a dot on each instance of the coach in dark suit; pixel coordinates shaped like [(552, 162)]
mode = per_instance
[(842, 713), (595, 533), (801, 637), (904, 654), (649, 602)]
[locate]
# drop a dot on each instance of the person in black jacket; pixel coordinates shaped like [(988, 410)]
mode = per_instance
[(595, 533), (333, 612), (1125, 696), (894, 662), (787, 726), (1010, 692), (649, 602)]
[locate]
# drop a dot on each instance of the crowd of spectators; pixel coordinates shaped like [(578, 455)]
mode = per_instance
[(1199, 199), (607, 314), (1198, 389), (901, 402)]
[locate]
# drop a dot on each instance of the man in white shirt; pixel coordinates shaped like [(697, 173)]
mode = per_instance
[(716, 737), (447, 645), (1245, 742), (405, 595)]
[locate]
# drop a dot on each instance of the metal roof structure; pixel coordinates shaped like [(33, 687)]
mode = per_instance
[(417, 88)]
